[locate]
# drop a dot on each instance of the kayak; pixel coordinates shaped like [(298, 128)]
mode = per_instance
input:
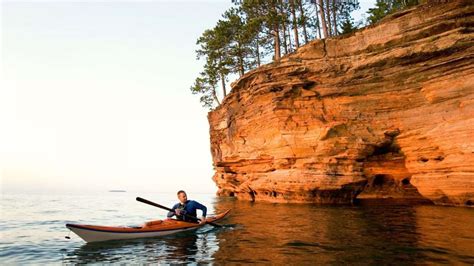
[(96, 233)]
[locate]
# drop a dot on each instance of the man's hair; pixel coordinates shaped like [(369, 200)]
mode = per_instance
[(181, 191)]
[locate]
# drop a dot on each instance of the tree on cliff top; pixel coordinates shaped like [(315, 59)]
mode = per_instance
[(212, 48), (267, 15), (386, 7), (206, 86), (240, 44), (255, 31), (227, 49)]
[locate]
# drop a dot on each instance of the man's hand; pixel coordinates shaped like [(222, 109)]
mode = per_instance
[(203, 220), (177, 211)]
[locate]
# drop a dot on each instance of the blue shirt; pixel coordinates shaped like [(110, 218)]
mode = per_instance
[(189, 208)]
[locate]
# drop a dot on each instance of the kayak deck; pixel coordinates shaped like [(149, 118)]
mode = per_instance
[(95, 233)]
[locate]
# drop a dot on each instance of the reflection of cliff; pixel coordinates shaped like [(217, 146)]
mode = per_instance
[(306, 234), (385, 113)]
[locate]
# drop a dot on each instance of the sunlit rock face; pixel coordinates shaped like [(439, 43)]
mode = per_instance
[(387, 112)]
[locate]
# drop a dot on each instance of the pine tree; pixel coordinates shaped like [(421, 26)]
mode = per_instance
[(255, 30), (295, 23), (343, 14), (348, 26), (239, 40), (303, 21), (323, 18), (267, 14), (205, 85), (385, 7), (284, 22), (213, 47)]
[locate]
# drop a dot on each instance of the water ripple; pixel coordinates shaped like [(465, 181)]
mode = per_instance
[(32, 231)]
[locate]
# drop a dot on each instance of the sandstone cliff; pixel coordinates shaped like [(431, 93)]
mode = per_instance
[(387, 112)]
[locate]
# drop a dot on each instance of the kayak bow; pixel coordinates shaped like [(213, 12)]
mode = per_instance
[(95, 233)]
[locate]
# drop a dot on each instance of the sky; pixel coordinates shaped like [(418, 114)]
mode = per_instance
[(94, 96)]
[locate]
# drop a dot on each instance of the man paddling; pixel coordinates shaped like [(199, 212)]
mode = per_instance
[(187, 207)]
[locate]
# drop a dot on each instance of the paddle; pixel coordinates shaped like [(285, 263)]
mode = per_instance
[(171, 210)]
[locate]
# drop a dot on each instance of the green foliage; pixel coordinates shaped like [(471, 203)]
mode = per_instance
[(253, 31), (385, 7), (348, 26), (212, 47), (266, 14), (205, 85), (239, 44), (344, 19)]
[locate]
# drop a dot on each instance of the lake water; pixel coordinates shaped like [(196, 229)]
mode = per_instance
[(32, 231)]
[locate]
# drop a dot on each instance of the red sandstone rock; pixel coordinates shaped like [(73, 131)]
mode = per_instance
[(387, 112)]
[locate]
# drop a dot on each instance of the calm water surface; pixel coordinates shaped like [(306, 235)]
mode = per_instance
[(32, 231)]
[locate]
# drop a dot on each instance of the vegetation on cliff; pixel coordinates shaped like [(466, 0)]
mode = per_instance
[(386, 7), (254, 32)]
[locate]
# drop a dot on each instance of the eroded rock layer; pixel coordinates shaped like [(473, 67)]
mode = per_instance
[(387, 112)]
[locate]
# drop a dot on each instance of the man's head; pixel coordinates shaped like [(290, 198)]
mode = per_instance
[(182, 196)]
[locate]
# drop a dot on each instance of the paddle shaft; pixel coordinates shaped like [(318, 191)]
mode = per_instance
[(171, 210)]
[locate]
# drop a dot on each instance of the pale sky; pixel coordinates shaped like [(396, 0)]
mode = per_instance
[(94, 95)]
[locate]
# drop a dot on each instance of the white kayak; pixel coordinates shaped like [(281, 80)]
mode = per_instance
[(95, 233)]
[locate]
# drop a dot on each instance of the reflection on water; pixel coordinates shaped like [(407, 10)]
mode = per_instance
[(186, 247), (303, 234), (254, 233)]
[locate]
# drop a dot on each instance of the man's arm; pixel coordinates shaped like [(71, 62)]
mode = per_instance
[(201, 207)]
